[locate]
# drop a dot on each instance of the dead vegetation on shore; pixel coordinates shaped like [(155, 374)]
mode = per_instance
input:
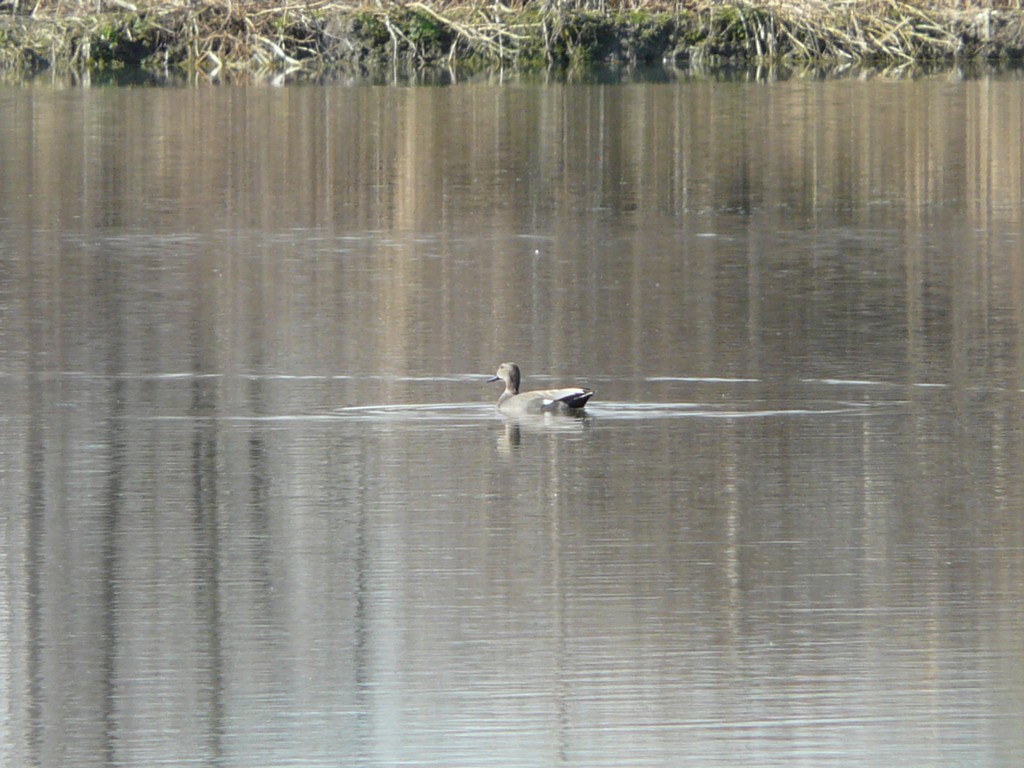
[(220, 37)]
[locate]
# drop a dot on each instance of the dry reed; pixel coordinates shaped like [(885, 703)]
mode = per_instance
[(217, 37)]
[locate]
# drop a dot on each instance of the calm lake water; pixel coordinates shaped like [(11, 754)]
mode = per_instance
[(259, 510)]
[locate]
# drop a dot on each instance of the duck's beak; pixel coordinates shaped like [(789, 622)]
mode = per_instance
[(493, 378)]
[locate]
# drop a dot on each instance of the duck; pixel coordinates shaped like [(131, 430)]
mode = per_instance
[(513, 402)]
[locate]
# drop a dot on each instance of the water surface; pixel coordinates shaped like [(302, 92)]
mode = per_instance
[(259, 509)]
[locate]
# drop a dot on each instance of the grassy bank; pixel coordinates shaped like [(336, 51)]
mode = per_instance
[(218, 38)]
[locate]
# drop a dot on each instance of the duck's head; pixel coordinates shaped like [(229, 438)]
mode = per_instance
[(509, 373)]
